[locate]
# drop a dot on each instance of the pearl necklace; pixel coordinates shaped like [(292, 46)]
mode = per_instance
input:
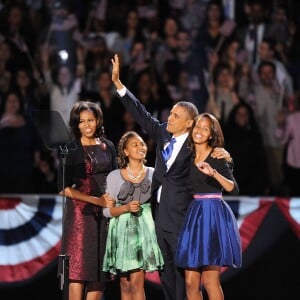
[(132, 176)]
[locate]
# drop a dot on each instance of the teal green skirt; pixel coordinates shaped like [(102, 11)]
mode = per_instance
[(132, 243)]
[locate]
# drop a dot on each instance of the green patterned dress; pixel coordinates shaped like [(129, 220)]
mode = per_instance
[(131, 241)]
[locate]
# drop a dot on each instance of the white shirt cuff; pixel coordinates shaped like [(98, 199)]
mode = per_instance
[(122, 91)]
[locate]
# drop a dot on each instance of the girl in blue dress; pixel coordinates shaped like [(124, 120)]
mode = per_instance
[(209, 238)]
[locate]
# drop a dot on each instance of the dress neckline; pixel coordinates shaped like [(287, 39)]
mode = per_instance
[(143, 178)]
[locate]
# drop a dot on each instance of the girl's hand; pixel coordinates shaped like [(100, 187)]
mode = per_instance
[(133, 206), (205, 168)]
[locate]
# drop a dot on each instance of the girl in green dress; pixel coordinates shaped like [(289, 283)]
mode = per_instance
[(131, 248)]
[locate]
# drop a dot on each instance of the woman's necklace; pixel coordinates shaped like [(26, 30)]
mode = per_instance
[(135, 177)]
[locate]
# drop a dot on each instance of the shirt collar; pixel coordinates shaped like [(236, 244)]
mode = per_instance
[(181, 138)]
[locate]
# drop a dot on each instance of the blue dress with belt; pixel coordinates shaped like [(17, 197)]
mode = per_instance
[(209, 235)]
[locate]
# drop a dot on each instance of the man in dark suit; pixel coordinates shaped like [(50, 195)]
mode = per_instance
[(170, 188), (258, 28)]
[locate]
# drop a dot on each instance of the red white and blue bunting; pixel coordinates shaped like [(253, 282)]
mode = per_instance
[(30, 230), (30, 235)]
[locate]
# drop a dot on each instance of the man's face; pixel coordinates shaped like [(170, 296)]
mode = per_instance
[(257, 13), (267, 75), (179, 121), (264, 51), (184, 41)]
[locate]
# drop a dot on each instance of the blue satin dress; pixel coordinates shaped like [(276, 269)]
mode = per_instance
[(210, 234)]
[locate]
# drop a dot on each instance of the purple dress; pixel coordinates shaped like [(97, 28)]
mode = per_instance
[(85, 228)]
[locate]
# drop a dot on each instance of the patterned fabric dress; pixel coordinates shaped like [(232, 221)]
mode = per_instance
[(85, 228), (131, 241), (210, 234)]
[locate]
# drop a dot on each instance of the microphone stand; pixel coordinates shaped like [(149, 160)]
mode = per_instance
[(63, 258), (55, 135)]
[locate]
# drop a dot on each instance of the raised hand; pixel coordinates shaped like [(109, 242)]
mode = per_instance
[(115, 75)]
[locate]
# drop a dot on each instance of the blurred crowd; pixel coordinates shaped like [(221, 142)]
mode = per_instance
[(241, 65)]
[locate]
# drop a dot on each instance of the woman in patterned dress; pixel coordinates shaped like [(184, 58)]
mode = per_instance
[(209, 238), (84, 230), (132, 247)]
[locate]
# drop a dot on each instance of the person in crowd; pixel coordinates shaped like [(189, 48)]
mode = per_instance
[(109, 105), (222, 94), (58, 35), (209, 34), (6, 64), (267, 52), (131, 248), (170, 187), (30, 90), (167, 44), (95, 57), (20, 146), (63, 85), (187, 59), (18, 31), (132, 30), (209, 238), (244, 142), (257, 28), (288, 133), (268, 102), (234, 56), (90, 158), (279, 24)]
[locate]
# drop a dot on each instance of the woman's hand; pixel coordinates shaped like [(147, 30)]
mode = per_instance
[(205, 168)]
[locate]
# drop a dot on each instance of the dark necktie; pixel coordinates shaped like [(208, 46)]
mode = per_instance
[(167, 152)]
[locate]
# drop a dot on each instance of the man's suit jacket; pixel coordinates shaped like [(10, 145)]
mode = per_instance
[(176, 192)]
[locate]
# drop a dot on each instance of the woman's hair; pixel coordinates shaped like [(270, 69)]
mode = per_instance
[(5, 99), (217, 137), (209, 5), (219, 68), (231, 121), (122, 159), (75, 117)]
